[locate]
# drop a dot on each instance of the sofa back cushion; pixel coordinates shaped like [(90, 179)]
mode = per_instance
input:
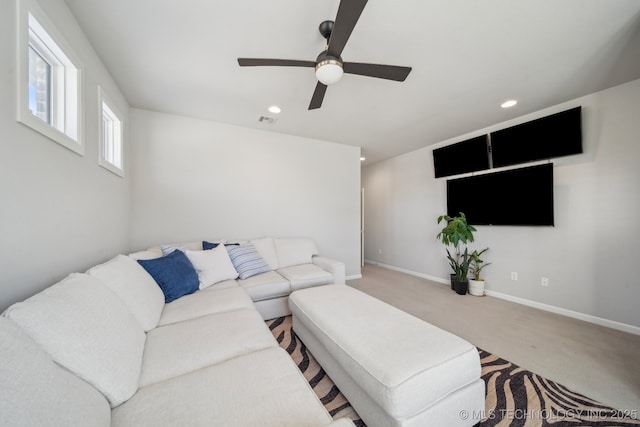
[(295, 251), (36, 391), (140, 293), (267, 250), (87, 329), (150, 253)]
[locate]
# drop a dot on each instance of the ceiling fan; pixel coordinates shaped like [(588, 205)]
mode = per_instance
[(329, 65)]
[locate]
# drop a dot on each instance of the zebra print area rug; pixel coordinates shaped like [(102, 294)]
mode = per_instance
[(515, 396)]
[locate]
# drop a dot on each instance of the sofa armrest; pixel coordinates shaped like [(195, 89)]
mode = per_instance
[(334, 267)]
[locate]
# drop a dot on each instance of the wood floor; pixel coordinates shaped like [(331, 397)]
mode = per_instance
[(601, 363)]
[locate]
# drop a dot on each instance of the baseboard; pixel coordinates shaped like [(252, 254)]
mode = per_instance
[(413, 273), (353, 277), (566, 312), (541, 306)]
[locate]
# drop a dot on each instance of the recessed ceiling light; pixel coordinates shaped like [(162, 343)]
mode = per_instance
[(508, 104), (275, 109), (362, 159)]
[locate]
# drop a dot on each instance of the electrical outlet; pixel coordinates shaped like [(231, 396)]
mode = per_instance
[(544, 282), (514, 275), (379, 251)]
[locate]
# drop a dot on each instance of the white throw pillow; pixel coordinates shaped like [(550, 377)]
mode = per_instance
[(213, 266), (87, 329), (267, 250), (135, 286), (295, 251)]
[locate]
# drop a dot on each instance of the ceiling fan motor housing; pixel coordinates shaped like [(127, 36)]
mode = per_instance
[(326, 27), (324, 57)]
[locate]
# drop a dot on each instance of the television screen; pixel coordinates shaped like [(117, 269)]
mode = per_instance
[(522, 196), (463, 157), (556, 135)]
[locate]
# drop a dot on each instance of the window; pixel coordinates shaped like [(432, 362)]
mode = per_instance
[(39, 85), (49, 80), (111, 147)]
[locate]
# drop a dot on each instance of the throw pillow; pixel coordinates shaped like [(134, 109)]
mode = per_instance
[(247, 261), (208, 245), (174, 274), (212, 266), (191, 246)]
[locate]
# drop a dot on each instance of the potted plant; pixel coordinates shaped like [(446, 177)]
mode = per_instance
[(476, 285), (457, 233)]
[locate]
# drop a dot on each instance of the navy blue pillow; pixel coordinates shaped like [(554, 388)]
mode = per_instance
[(208, 245), (174, 273)]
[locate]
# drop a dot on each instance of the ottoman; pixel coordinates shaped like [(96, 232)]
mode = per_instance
[(395, 369)]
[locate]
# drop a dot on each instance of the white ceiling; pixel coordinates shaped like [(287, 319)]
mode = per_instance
[(180, 57)]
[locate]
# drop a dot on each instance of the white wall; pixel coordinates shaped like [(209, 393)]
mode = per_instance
[(589, 256), (197, 179), (59, 212)]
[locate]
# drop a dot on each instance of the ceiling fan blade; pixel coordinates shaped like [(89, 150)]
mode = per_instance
[(318, 96), (348, 14), (259, 62), (388, 72)]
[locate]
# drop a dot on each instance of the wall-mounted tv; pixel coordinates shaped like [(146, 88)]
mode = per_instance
[(552, 136), (463, 157), (522, 196)]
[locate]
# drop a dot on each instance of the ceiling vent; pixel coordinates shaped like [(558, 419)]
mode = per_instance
[(266, 120)]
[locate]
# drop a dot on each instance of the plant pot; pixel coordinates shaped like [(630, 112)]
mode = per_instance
[(476, 287), (453, 278), (461, 286)]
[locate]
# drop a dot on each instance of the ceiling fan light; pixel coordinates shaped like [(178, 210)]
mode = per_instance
[(329, 71)]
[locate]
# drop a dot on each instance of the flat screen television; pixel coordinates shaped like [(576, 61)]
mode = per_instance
[(462, 157), (522, 196), (553, 136)]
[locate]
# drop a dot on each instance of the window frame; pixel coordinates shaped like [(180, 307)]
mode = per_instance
[(114, 112), (35, 29)]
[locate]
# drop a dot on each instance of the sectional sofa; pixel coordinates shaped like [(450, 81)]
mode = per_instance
[(116, 346)]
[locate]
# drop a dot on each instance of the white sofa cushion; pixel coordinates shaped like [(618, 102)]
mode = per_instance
[(37, 392), (140, 293), (88, 330), (305, 276), (208, 301), (184, 347), (266, 286), (267, 250), (294, 251), (212, 266), (263, 388)]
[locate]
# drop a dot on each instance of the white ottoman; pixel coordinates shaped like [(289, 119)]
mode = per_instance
[(395, 369)]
